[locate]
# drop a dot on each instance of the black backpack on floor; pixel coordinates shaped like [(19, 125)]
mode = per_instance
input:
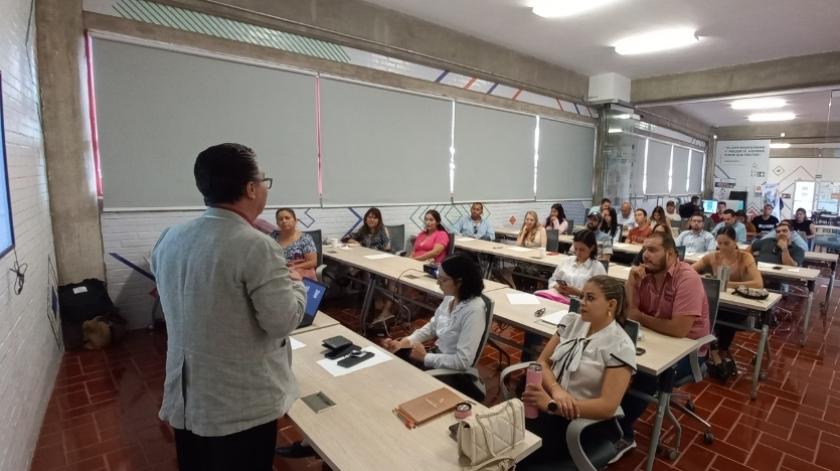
[(81, 302)]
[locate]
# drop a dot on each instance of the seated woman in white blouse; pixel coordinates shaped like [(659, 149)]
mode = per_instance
[(573, 272), (587, 365), (458, 324)]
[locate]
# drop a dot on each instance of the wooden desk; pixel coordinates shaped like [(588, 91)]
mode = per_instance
[(321, 320), (510, 252), (361, 432), (506, 232)]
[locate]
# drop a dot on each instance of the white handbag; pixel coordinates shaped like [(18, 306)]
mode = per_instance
[(485, 440)]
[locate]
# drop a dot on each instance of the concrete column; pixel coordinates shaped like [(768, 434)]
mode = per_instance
[(71, 177), (599, 170)]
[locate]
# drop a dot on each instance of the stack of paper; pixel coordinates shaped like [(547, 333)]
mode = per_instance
[(522, 298), (554, 318)]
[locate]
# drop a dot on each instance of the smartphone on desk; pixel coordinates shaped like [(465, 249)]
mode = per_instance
[(354, 358)]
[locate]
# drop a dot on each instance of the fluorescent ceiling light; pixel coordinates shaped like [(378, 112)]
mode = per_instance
[(776, 116), (566, 8), (758, 104), (614, 130), (656, 41), (780, 145)]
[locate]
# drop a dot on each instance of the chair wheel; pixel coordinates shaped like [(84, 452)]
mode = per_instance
[(690, 405), (762, 375), (672, 454), (708, 438)]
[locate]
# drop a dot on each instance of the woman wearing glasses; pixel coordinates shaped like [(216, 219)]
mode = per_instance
[(457, 326), (298, 247)]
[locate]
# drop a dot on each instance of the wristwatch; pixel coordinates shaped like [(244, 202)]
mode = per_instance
[(552, 407)]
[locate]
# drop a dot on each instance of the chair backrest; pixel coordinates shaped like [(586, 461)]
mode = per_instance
[(681, 252), (570, 228), (553, 240), (397, 235), (606, 264), (574, 304), (450, 247), (631, 327), (316, 237), (488, 317), (675, 231), (712, 288)]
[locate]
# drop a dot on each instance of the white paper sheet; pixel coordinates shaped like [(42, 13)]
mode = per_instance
[(379, 356), (765, 265), (465, 239), (379, 256), (296, 343), (519, 249), (522, 298), (554, 318)]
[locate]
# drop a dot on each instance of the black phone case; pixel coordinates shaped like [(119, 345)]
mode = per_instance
[(341, 351), (334, 343), (352, 360)]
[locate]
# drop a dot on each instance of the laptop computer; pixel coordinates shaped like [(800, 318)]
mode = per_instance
[(314, 294)]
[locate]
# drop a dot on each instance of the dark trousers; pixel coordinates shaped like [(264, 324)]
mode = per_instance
[(554, 454), (248, 450), (634, 407)]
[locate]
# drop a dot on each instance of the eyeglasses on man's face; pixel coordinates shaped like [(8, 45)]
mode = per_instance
[(267, 181)]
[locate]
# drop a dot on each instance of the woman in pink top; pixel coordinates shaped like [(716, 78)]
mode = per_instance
[(432, 241)]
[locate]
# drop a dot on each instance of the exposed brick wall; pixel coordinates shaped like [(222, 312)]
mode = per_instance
[(29, 355)]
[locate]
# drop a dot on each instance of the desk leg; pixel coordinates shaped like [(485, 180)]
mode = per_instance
[(807, 321), (666, 384), (830, 284), (368, 301), (759, 356)]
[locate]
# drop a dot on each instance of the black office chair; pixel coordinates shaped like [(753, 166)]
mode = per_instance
[(469, 382), (681, 252), (450, 248), (606, 264), (553, 240), (316, 237), (397, 235), (570, 229)]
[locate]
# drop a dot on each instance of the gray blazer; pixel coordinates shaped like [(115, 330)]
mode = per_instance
[(229, 306)]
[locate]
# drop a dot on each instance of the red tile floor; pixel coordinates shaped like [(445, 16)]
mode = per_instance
[(103, 412)]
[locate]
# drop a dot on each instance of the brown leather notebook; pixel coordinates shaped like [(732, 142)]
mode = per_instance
[(427, 407)]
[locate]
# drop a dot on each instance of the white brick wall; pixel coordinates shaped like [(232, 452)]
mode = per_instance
[(29, 355), (133, 234)]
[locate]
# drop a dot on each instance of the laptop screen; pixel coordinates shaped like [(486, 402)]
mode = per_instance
[(314, 294)]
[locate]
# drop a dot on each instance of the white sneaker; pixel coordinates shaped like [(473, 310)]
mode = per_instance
[(622, 447)]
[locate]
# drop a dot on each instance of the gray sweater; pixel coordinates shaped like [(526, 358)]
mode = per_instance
[(229, 306)]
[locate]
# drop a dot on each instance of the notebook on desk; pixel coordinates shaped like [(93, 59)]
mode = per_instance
[(427, 407)]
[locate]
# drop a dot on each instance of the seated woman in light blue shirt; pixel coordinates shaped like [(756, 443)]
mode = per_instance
[(458, 324), (474, 225)]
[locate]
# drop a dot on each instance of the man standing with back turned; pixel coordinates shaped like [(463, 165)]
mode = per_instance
[(230, 303)]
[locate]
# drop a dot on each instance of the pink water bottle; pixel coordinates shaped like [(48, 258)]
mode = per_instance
[(534, 376)]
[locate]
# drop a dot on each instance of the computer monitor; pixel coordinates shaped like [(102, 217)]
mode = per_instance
[(710, 206), (314, 294)]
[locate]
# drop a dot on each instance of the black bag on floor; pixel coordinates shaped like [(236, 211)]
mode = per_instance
[(81, 302)]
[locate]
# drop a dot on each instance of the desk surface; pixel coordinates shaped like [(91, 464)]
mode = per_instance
[(661, 352), (321, 320), (406, 270), (361, 432), (511, 252)]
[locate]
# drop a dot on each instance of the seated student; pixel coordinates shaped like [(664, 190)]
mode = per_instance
[(298, 247), (743, 271), (605, 204), (474, 225), (741, 216), (795, 237), (532, 234), (667, 296), (626, 217), (672, 214), (696, 240), (573, 272), (609, 224), (801, 223), (587, 365), (373, 234), (691, 207), (765, 222), (557, 219), (717, 217), (458, 324), (729, 219), (642, 230), (657, 216), (432, 241), (604, 240), (779, 250)]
